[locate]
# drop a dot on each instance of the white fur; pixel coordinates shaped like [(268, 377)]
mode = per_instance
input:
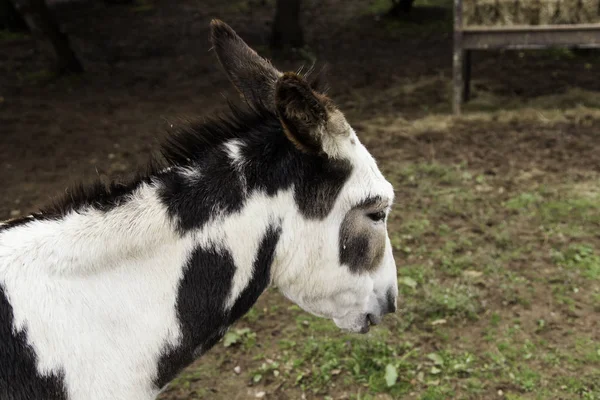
[(233, 149), (96, 292)]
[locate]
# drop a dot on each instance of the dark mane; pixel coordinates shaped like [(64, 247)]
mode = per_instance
[(185, 145), (191, 142)]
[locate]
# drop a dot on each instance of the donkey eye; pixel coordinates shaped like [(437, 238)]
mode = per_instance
[(377, 216)]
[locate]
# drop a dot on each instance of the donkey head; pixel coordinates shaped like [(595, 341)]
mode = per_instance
[(334, 258)]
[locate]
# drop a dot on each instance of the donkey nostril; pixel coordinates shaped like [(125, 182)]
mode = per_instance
[(373, 319), (391, 308), (391, 302)]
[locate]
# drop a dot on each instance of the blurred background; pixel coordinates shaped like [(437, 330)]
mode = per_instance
[(496, 227)]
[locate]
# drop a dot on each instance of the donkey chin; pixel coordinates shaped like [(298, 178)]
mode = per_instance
[(361, 322)]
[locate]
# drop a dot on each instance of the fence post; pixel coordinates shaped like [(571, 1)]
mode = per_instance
[(458, 60)]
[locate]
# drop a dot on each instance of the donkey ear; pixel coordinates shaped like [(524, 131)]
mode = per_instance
[(303, 113), (251, 74)]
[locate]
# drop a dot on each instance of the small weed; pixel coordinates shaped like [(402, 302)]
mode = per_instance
[(495, 320), (580, 257), (267, 369), (252, 315), (243, 336)]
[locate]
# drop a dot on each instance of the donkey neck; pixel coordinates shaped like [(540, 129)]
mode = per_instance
[(133, 287)]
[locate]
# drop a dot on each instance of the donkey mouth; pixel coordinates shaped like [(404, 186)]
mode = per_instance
[(373, 319), (370, 319)]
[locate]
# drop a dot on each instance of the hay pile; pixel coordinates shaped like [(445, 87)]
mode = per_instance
[(530, 12)]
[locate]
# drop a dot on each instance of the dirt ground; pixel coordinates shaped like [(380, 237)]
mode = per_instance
[(497, 221)]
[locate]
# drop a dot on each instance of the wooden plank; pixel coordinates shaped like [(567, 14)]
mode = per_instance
[(522, 39), (531, 28)]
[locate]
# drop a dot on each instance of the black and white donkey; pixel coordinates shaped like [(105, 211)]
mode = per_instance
[(113, 290)]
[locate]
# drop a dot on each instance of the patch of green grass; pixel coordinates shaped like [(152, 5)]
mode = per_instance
[(427, 16), (419, 273), (142, 6), (503, 238), (379, 6), (439, 173), (456, 256), (437, 393), (416, 227), (564, 212), (396, 240), (41, 76), (570, 210), (252, 315), (495, 319), (584, 388), (435, 301), (523, 201), (374, 363), (579, 257), (587, 350), (527, 378), (455, 266), (8, 36)]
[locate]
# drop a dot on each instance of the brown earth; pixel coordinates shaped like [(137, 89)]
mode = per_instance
[(149, 65)]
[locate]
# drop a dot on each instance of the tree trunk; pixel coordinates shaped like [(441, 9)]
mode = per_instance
[(42, 24), (10, 19), (401, 7), (287, 31)]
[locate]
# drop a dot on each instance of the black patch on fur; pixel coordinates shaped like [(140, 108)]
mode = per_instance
[(362, 240), (12, 223), (354, 252), (319, 186), (192, 202), (205, 286), (19, 379), (202, 293), (270, 163), (260, 276), (96, 195)]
